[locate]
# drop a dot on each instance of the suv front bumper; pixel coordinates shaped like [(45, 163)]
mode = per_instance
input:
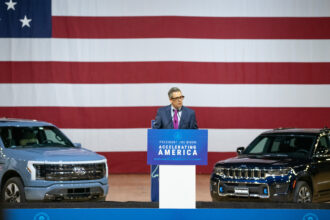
[(240, 190)]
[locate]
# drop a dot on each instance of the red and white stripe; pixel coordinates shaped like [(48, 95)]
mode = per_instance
[(244, 67)]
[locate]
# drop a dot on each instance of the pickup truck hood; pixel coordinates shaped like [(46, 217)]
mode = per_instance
[(53, 154)]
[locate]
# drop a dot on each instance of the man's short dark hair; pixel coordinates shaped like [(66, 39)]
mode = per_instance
[(173, 89)]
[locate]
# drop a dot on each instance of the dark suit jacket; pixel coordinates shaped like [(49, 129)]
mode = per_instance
[(164, 120)]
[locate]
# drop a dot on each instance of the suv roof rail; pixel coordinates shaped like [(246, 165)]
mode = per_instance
[(325, 129), (281, 128)]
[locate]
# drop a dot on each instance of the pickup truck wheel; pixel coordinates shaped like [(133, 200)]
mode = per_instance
[(13, 191), (302, 193)]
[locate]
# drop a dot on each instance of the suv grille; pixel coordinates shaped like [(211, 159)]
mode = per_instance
[(68, 172), (238, 173)]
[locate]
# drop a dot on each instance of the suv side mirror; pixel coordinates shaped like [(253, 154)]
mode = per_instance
[(240, 150), (77, 145), (321, 151)]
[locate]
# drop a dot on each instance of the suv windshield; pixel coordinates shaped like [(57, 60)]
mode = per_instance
[(282, 145), (41, 136)]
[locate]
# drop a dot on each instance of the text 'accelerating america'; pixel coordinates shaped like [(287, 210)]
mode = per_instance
[(177, 148)]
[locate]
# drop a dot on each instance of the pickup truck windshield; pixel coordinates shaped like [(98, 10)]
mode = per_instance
[(41, 136)]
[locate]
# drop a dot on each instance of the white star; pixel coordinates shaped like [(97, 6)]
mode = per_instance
[(11, 5), (25, 21)]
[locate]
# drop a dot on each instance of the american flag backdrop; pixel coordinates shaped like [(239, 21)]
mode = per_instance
[(100, 69)]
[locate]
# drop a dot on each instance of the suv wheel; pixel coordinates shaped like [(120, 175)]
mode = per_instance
[(13, 191), (302, 193)]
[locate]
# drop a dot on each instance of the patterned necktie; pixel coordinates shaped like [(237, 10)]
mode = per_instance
[(175, 119)]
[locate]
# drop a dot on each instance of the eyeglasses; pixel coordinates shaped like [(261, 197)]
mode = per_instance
[(177, 98)]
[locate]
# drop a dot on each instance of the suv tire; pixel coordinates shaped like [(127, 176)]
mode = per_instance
[(13, 191), (302, 193)]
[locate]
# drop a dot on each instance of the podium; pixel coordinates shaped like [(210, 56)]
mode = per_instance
[(177, 152)]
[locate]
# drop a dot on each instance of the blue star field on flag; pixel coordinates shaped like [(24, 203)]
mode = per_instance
[(25, 18)]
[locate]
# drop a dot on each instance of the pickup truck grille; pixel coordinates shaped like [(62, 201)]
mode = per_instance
[(238, 173), (70, 172)]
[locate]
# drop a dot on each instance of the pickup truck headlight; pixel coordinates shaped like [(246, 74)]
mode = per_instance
[(40, 171)]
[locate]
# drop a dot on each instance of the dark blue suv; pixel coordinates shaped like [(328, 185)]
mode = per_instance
[(279, 165)]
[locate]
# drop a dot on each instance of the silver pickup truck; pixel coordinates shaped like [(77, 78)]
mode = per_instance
[(38, 162)]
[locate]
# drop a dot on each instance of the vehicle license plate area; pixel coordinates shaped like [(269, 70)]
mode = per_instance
[(241, 191), (79, 192)]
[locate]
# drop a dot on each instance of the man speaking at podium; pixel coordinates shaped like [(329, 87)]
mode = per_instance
[(175, 115)]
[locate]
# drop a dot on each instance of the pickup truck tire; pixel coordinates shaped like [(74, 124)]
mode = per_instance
[(302, 193), (13, 191)]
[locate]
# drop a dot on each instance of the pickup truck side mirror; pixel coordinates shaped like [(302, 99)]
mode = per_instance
[(77, 145), (240, 150)]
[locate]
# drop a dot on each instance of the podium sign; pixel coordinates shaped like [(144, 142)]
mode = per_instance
[(177, 147)]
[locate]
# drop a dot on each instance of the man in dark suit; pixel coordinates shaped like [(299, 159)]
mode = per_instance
[(175, 115)]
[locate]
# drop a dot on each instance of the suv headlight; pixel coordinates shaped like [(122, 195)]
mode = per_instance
[(278, 172), (219, 170)]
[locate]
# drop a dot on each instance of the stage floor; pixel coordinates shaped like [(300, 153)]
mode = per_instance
[(136, 187), (133, 191)]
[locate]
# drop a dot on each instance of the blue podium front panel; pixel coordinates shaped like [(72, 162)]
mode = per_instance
[(177, 147)]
